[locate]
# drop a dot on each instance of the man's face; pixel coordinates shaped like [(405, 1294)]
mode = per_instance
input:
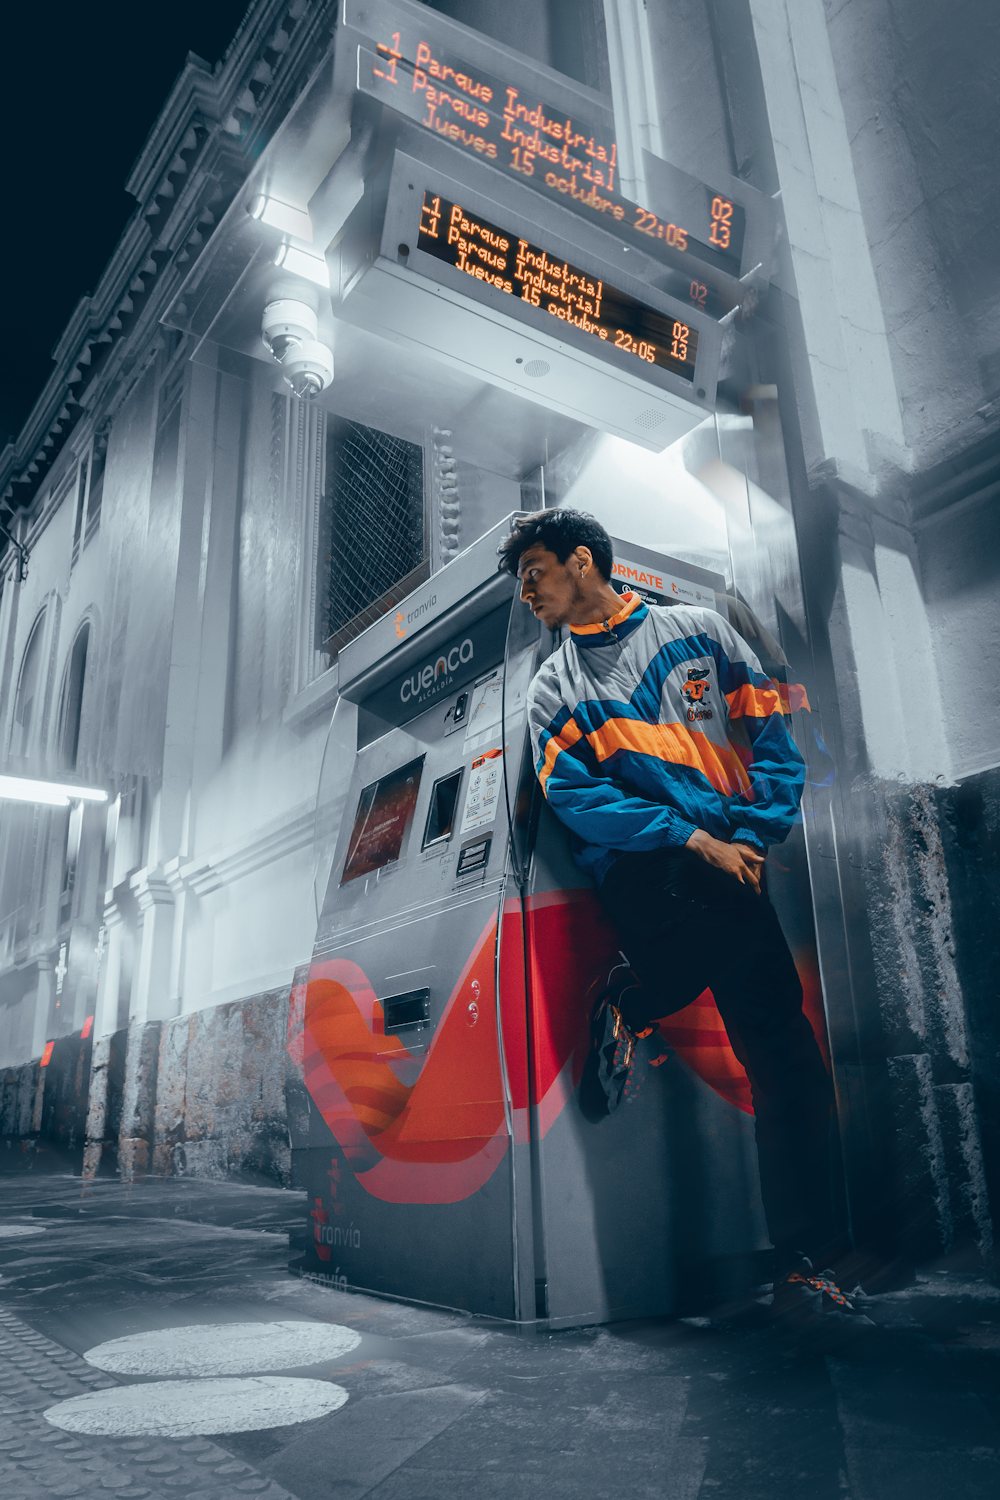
[(552, 590)]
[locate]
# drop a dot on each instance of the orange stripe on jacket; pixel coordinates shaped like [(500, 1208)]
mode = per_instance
[(568, 736), (792, 695), (674, 743), (749, 702)]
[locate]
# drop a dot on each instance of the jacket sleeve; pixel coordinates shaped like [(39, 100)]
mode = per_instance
[(593, 806), (764, 814)]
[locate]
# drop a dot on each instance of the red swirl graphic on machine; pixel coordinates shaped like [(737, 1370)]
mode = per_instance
[(439, 1139)]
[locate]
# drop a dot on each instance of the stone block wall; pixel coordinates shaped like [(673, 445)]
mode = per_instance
[(934, 911), (19, 1088), (221, 1092), (104, 1114), (65, 1091)]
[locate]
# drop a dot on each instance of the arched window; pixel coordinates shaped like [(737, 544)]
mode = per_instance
[(72, 701), (27, 704)]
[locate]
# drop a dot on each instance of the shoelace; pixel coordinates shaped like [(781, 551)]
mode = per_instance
[(823, 1284), (621, 1029)]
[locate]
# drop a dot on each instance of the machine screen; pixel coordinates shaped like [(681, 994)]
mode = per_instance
[(531, 274), (384, 812)]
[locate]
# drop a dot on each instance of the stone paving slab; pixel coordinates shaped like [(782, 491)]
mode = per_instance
[(440, 1404)]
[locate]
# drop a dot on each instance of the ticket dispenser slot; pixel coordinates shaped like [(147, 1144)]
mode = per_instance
[(443, 806), (406, 1013)]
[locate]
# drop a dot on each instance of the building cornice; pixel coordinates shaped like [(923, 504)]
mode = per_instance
[(201, 148)]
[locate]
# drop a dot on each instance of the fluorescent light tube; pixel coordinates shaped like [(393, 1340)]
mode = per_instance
[(51, 793)]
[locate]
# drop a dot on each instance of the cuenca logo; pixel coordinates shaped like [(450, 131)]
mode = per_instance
[(433, 673), (400, 623)]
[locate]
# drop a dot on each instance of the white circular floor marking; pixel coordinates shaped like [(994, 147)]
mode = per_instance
[(17, 1231), (197, 1408), (224, 1349)]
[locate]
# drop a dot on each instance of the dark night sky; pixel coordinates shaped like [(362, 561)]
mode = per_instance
[(82, 86)]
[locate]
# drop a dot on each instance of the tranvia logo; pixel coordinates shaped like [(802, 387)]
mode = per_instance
[(434, 676), (404, 620)]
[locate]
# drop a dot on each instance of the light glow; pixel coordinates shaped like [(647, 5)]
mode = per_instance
[(282, 216), (304, 263), (50, 793)]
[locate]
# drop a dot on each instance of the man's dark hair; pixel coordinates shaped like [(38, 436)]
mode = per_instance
[(561, 532)]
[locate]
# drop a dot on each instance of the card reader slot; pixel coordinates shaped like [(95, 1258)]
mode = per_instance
[(475, 855)]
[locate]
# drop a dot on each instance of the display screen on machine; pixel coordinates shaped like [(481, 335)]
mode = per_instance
[(385, 809), (529, 273)]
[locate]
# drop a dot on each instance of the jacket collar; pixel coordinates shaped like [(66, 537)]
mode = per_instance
[(632, 613)]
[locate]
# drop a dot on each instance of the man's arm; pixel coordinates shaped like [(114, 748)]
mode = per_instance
[(765, 813)]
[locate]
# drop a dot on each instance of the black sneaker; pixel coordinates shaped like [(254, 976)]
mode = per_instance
[(612, 1052), (812, 1305)]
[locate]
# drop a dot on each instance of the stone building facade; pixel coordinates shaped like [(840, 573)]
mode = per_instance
[(172, 639)]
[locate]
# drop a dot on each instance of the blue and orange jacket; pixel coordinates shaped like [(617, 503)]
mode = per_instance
[(655, 723)]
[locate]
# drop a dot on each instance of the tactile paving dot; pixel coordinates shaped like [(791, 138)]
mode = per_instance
[(52, 1461), (207, 1349)]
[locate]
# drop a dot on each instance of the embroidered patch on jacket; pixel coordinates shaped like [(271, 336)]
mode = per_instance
[(694, 691)]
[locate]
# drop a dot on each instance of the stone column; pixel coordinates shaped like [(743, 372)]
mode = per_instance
[(139, 1101), (151, 998), (105, 1024), (43, 1010)]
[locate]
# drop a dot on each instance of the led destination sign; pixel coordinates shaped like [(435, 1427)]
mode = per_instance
[(520, 269), (564, 157)]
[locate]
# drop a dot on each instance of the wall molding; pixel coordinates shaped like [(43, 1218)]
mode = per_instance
[(286, 835)]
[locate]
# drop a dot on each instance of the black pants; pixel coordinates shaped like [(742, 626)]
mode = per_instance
[(686, 926)]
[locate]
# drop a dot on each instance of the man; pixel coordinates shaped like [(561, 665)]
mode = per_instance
[(661, 745)]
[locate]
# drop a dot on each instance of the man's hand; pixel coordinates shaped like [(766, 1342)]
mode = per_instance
[(738, 860)]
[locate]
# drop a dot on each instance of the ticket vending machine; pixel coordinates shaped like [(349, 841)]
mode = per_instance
[(442, 1026)]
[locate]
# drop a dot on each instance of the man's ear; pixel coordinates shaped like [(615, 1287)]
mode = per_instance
[(584, 557)]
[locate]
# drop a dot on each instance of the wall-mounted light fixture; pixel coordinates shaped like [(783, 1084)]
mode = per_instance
[(281, 216), (51, 793), (305, 263)]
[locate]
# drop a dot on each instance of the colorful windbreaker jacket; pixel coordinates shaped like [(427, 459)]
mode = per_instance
[(658, 722)]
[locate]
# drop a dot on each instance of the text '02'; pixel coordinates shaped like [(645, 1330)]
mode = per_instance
[(520, 269)]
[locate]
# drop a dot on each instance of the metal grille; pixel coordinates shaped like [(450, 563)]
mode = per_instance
[(375, 495)]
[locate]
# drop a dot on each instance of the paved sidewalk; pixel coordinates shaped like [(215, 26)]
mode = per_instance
[(439, 1404)]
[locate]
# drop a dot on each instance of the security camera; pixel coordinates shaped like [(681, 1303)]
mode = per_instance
[(308, 368), (286, 324), (289, 330)]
